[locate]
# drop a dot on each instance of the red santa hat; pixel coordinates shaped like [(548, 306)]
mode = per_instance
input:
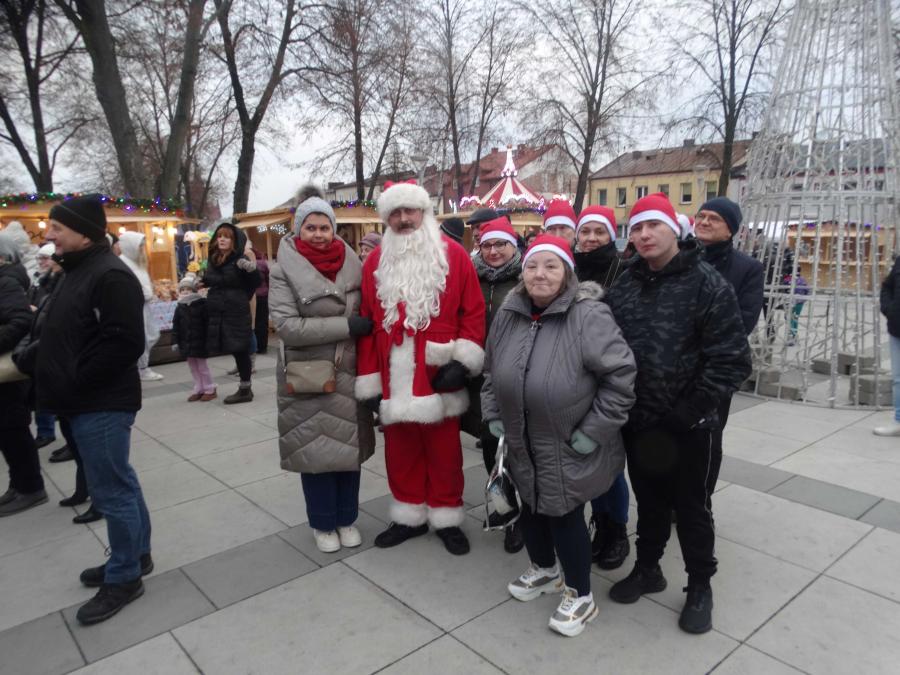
[(557, 245), (598, 214), (687, 225), (559, 212), (498, 228), (655, 207), (402, 195)]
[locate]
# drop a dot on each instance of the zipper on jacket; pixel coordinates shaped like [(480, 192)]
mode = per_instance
[(535, 327)]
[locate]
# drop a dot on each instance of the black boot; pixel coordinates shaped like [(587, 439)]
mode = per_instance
[(244, 394), (513, 541), (615, 547), (75, 500), (455, 540), (640, 581), (93, 577), (92, 515), (696, 617), (63, 454), (396, 534), (598, 525), (108, 601)]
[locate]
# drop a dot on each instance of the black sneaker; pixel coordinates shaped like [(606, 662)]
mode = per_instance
[(397, 534), (513, 541), (455, 540), (242, 395), (696, 617), (598, 528), (42, 441), (640, 581), (93, 577), (63, 454), (615, 547), (22, 501), (108, 601)]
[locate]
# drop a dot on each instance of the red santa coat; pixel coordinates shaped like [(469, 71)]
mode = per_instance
[(399, 365)]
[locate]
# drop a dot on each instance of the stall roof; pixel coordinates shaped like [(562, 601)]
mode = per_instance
[(261, 220)]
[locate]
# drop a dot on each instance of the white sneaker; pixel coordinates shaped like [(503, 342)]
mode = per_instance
[(148, 375), (535, 581), (892, 429), (350, 536), (327, 542), (573, 613)]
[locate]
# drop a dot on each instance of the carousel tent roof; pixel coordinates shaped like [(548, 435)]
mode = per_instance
[(510, 188)]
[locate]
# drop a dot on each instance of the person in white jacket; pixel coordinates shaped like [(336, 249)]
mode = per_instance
[(134, 255)]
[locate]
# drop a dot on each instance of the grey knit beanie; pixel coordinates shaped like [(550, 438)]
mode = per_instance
[(313, 205)]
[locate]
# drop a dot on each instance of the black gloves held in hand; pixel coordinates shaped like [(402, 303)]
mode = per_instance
[(373, 403), (450, 377), (360, 326)]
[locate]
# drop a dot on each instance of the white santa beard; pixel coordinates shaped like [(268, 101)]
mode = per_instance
[(413, 270)]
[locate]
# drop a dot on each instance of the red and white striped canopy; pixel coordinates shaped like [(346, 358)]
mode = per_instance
[(509, 189)]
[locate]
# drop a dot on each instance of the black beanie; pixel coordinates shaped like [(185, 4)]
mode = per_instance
[(729, 211), (83, 214), (454, 228)]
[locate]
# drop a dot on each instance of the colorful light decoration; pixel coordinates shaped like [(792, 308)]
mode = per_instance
[(128, 204)]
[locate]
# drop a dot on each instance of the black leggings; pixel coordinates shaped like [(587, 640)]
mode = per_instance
[(565, 537), (244, 365)]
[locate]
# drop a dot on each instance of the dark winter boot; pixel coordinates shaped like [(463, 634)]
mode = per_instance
[(615, 547), (396, 534), (455, 540), (108, 601), (244, 394), (513, 541), (640, 581), (696, 617), (598, 525), (93, 577)]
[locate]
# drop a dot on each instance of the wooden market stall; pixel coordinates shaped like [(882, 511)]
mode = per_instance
[(523, 221)]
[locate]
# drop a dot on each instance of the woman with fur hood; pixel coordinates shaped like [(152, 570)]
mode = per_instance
[(134, 255)]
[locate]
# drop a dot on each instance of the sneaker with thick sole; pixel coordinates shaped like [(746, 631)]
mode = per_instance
[(892, 429), (349, 536), (638, 582), (327, 542), (615, 547), (534, 582), (109, 600), (455, 540), (696, 616), (22, 502), (396, 534), (573, 613), (93, 577)]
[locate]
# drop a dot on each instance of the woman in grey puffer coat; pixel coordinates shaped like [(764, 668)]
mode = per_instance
[(559, 381), (314, 295)]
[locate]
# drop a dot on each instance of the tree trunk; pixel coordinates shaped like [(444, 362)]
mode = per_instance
[(244, 171), (358, 140), (727, 157)]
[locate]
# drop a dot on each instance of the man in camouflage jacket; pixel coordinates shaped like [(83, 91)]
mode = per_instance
[(682, 321)]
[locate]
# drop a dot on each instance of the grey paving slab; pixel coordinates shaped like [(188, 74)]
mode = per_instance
[(280, 496), (378, 508), (174, 484), (833, 627), (148, 453), (872, 564), (825, 496), (45, 523), (885, 514), (330, 621), (748, 661), (758, 446), (447, 590), (228, 433), (301, 538), (170, 600), (473, 493), (793, 532), (638, 638), (788, 421), (751, 475), (40, 646), (743, 402), (246, 570), (444, 655), (158, 656), (244, 464)]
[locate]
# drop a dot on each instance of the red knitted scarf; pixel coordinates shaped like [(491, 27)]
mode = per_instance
[(328, 262)]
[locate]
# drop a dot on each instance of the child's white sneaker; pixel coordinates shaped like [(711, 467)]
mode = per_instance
[(327, 542), (349, 536)]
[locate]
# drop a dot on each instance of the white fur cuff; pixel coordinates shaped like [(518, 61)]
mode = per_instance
[(470, 355), (404, 513), (443, 516), (367, 386)]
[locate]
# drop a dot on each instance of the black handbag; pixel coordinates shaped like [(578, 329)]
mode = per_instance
[(502, 502)]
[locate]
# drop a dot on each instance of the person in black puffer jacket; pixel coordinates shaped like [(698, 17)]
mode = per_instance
[(26, 486), (682, 321), (890, 307), (231, 277), (189, 330)]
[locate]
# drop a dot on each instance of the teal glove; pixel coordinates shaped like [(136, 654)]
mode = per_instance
[(496, 428), (582, 443)]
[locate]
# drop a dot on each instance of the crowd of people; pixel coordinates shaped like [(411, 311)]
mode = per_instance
[(575, 363)]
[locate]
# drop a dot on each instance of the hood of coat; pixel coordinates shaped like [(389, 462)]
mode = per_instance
[(240, 239), (131, 244)]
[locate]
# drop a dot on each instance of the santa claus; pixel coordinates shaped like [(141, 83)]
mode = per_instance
[(421, 291)]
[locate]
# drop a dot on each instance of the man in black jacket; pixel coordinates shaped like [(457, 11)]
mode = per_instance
[(717, 221), (890, 307), (681, 320), (86, 372)]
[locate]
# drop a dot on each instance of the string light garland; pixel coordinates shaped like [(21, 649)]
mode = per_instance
[(128, 204)]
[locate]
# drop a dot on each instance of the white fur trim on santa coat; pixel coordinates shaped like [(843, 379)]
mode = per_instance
[(404, 513), (367, 386), (470, 355), (445, 516), (438, 353), (402, 195)]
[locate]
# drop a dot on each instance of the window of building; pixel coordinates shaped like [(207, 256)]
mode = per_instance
[(686, 195), (664, 188), (601, 197), (640, 191), (621, 197), (712, 189)]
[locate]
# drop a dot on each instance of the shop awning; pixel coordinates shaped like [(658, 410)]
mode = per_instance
[(269, 220)]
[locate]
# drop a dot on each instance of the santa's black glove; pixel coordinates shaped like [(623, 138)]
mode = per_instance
[(360, 326), (373, 404), (450, 377)]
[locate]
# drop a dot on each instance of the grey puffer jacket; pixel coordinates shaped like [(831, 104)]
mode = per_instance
[(569, 369), (318, 432)]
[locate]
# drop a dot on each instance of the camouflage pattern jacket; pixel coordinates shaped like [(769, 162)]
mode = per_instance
[(684, 326)]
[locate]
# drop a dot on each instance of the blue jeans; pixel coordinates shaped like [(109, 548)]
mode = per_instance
[(895, 372), (332, 499), (46, 424), (614, 501), (104, 439)]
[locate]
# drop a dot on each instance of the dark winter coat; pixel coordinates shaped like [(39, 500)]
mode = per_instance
[(890, 299), (569, 370), (602, 265), (15, 320), (189, 326), (228, 301), (684, 326), (42, 289), (92, 337), (745, 274)]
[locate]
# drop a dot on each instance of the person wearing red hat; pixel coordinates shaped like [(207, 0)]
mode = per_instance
[(560, 220), (420, 290), (682, 321), (558, 386)]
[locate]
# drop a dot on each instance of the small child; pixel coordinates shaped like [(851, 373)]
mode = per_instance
[(189, 329)]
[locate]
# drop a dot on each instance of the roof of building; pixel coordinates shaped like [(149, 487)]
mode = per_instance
[(684, 158)]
